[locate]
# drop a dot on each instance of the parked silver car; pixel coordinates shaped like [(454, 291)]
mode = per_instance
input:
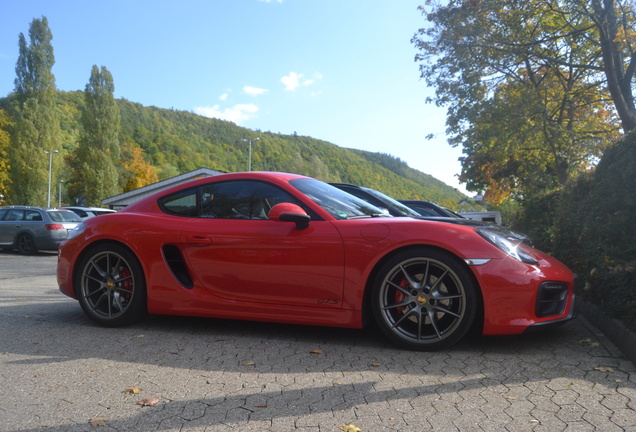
[(87, 212), (29, 229)]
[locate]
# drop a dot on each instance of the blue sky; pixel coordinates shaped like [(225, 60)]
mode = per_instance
[(338, 70)]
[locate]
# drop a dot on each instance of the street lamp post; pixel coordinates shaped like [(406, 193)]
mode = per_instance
[(50, 153), (249, 160)]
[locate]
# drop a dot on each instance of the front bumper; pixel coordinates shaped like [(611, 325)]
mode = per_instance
[(548, 324)]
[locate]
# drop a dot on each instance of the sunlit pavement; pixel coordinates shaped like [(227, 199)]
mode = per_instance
[(59, 372)]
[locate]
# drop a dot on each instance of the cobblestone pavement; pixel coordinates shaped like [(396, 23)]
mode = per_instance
[(59, 372)]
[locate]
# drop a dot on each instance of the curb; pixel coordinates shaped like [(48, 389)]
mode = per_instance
[(615, 330)]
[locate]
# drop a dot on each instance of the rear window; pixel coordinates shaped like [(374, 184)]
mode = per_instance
[(80, 213), (63, 216), (182, 203)]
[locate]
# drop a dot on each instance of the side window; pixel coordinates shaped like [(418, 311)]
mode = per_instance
[(15, 215), (241, 199), (3, 213), (183, 203), (234, 199), (31, 215)]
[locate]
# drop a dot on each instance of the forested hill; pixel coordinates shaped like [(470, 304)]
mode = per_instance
[(174, 142)]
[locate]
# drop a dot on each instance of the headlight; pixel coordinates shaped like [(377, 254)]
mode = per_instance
[(506, 245), (76, 231)]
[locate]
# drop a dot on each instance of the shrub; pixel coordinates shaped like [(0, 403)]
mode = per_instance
[(590, 226)]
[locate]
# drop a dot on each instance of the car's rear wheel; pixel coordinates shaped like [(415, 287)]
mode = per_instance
[(26, 244), (110, 285), (424, 299)]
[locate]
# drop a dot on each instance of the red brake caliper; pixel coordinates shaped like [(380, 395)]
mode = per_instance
[(399, 295), (127, 284)]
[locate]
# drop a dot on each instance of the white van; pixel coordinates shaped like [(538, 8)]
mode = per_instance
[(484, 216)]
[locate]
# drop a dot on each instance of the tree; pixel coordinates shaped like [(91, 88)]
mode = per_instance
[(4, 160), (525, 89), (139, 173), (36, 126), (615, 21), (95, 172), (532, 137)]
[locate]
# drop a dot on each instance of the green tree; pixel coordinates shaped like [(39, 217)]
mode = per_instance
[(525, 88), (533, 136), (36, 126), (95, 165), (615, 22), (4, 160)]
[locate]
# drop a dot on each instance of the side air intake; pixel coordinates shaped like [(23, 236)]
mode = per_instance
[(176, 264)]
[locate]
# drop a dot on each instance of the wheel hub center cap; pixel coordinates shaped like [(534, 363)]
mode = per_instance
[(421, 300)]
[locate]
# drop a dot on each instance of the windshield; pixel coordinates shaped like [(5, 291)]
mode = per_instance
[(395, 204), (337, 203)]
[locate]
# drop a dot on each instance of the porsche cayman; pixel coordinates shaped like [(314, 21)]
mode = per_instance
[(285, 248)]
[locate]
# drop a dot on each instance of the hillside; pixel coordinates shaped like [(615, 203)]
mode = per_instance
[(174, 142)]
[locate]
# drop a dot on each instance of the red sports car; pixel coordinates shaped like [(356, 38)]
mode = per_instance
[(287, 248)]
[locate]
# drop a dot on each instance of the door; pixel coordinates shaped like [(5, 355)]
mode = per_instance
[(10, 224), (237, 253)]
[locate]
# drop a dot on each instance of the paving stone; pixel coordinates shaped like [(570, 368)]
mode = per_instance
[(58, 371)]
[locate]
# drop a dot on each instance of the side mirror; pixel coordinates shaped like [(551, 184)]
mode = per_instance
[(288, 212)]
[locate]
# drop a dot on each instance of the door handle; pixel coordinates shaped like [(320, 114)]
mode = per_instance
[(199, 240)]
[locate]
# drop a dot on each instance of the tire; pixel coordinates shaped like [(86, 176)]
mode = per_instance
[(110, 286), (26, 244), (424, 299)]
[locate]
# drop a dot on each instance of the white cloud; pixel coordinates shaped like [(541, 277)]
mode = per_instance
[(295, 80), (223, 97), (291, 81), (238, 113), (254, 91)]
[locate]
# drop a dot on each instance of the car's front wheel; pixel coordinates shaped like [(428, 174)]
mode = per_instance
[(110, 285), (26, 244), (424, 299)]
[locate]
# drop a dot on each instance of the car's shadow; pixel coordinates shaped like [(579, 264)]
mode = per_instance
[(57, 329)]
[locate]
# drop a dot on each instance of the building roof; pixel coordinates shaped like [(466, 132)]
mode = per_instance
[(124, 199)]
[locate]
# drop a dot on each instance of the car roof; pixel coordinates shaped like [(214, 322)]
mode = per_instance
[(25, 207), (22, 207)]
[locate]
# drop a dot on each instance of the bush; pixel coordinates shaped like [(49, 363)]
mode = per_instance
[(592, 229)]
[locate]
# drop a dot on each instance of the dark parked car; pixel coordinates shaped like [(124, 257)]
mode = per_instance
[(378, 199), (29, 229), (396, 208), (428, 208)]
